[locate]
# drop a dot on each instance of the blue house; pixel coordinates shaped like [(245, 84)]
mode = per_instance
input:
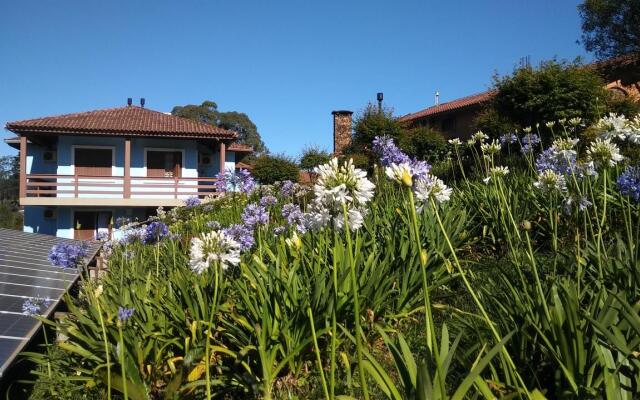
[(81, 172)]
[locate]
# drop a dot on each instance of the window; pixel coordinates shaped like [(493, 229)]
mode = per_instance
[(93, 162), (167, 164)]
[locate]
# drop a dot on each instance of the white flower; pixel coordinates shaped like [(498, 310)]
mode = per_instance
[(294, 242), (455, 141), (431, 188), (614, 126), (479, 137), (355, 219), (550, 124), (499, 171), (490, 148), (549, 181), (213, 246), (565, 147), (527, 129), (401, 173), (160, 212), (342, 184), (575, 121), (603, 153)]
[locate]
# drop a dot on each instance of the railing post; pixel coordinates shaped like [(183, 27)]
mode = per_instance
[(23, 167), (175, 187), (127, 168), (75, 185)]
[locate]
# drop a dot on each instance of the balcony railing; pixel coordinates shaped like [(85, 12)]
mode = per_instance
[(115, 187)]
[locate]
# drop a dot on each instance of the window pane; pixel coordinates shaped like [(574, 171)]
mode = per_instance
[(93, 162)]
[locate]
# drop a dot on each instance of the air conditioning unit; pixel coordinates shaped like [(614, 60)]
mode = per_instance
[(50, 213), (49, 156)]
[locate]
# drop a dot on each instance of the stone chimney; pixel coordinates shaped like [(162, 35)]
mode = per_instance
[(341, 131)]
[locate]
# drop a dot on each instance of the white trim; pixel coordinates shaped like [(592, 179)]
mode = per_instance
[(86, 146), (165, 149)]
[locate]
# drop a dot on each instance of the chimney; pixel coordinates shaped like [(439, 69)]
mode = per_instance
[(142, 102), (129, 101), (341, 131), (437, 98)]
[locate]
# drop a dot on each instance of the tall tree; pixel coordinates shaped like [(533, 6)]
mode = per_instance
[(208, 112), (610, 27)]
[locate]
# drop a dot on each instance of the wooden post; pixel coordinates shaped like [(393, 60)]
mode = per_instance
[(127, 168), (223, 155), (23, 167)]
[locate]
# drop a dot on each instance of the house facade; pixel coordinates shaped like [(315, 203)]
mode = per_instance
[(81, 172)]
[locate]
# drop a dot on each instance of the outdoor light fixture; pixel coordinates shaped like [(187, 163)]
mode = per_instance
[(380, 96)]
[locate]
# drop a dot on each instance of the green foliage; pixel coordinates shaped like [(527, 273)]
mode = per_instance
[(370, 123), (239, 122), (269, 169), (424, 144), (312, 157), (610, 27), (553, 91)]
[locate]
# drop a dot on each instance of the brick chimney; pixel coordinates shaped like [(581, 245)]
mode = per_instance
[(341, 130)]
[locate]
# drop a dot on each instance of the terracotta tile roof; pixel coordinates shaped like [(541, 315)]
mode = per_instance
[(631, 59), (132, 120), (240, 148), (451, 105)]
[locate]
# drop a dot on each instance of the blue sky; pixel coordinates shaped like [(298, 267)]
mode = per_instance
[(287, 64)]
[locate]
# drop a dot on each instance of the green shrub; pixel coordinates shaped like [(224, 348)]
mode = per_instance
[(312, 157), (273, 168)]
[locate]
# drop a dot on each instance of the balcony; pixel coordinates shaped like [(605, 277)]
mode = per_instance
[(79, 190)]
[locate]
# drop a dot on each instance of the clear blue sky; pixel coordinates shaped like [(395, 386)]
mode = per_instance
[(286, 64)]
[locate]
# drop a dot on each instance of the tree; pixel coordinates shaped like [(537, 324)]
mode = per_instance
[(553, 91), (269, 169), (610, 27), (239, 122), (370, 123), (312, 157), (9, 178)]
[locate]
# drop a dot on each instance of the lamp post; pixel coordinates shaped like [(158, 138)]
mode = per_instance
[(380, 96)]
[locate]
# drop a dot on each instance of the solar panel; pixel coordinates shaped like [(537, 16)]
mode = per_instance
[(25, 272)]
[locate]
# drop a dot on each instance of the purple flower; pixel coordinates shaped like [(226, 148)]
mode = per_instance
[(562, 164), (388, 151), (122, 221), (35, 305), (528, 141), (192, 201), (287, 188), (125, 313), (255, 214), (215, 225), (67, 255), (240, 181), (508, 138), (268, 201), (420, 169), (241, 234), (154, 232), (292, 213), (629, 183)]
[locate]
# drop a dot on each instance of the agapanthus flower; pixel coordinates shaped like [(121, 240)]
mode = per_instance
[(268, 201), (479, 137), (215, 246), (214, 225), (242, 234), (255, 214), (527, 129), (431, 188), (550, 181), (122, 221), (582, 202), (279, 230), (549, 124), (455, 142), (529, 141), (236, 181), (292, 213), (287, 188), (342, 184), (355, 219), (575, 121), (603, 153), (508, 138), (192, 201), (66, 255), (489, 149), (35, 305), (388, 151), (561, 158), (614, 126), (401, 173), (629, 183), (132, 235), (124, 314), (499, 171), (154, 232)]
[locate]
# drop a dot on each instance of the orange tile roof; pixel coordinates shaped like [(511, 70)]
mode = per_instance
[(130, 121), (457, 104), (240, 148)]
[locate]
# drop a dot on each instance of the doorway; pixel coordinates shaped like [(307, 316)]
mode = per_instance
[(91, 225)]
